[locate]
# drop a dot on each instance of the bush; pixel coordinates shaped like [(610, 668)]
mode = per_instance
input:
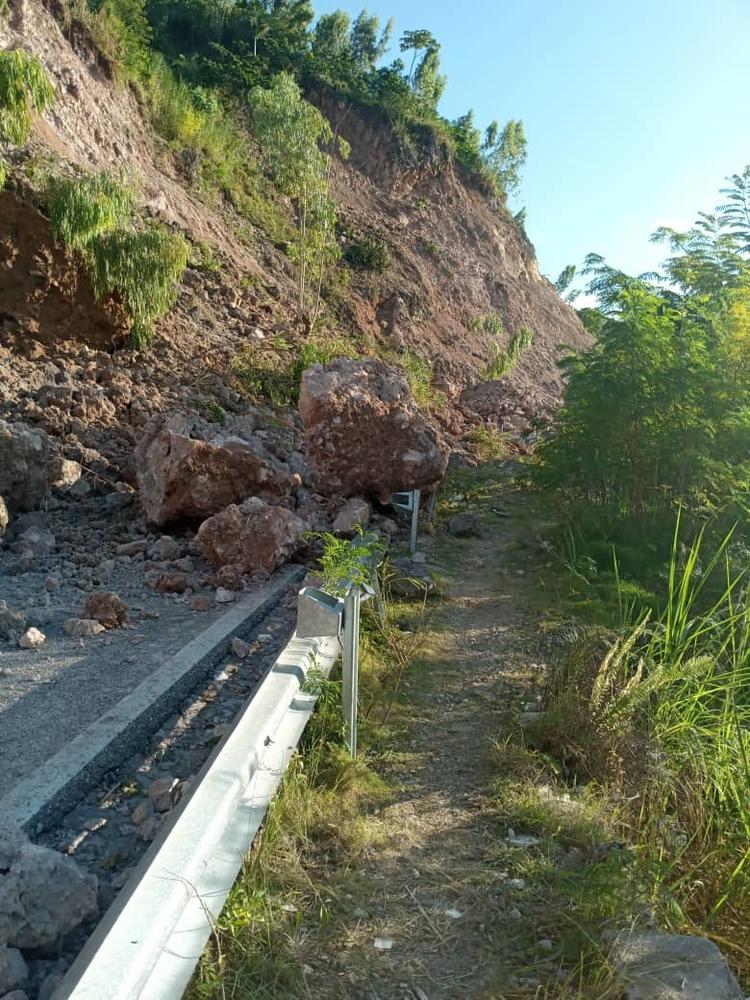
[(144, 268), (368, 255), (81, 208), (24, 85), (488, 442), (419, 375)]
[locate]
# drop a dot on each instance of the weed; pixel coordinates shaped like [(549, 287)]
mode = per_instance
[(419, 375), (274, 371), (489, 323), (205, 257), (82, 208), (368, 255), (504, 360), (344, 564), (488, 442), (432, 248)]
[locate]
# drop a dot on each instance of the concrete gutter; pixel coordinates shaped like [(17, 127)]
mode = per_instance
[(38, 802), (149, 942)]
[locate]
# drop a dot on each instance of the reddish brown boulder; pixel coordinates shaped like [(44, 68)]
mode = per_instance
[(106, 608), (250, 536), (365, 435), (182, 478)]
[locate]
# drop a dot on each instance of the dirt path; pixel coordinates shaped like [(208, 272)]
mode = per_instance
[(441, 891)]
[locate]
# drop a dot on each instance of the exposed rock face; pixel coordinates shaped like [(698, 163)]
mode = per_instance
[(655, 966), (182, 478), (24, 452), (364, 433), (251, 536), (43, 895), (106, 608)]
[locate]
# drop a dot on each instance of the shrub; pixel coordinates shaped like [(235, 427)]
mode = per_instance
[(504, 360), (487, 323), (419, 375), (142, 267), (82, 208), (488, 442), (24, 85), (368, 255)]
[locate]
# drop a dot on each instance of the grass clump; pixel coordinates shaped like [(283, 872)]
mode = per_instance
[(659, 714), (489, 323), (504, 359), (273, 372), (488, 442), (83, 208), (141, 268), (24, 87), (419, 375)]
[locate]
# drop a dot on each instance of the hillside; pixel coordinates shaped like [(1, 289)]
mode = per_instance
[(454, 257)]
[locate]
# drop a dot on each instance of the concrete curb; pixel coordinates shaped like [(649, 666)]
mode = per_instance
[(38, 802), (151, 939)]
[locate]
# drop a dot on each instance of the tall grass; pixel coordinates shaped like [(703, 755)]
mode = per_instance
[(660, 714)]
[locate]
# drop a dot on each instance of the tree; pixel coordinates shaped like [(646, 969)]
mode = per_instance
[(291, 132), (428, 83), (368, 43), (416, 42), (563, 283), (505, 153)]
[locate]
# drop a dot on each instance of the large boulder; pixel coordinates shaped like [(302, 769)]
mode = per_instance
[(24, 452), (655, 966), (43, 895), (250, 536), (183, 478), (365, 435)]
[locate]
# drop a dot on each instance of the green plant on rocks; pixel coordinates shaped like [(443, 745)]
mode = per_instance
[(504, 359), (83, 208)]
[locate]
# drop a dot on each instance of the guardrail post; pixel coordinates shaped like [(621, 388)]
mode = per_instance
[(350, 666), (415, 521)]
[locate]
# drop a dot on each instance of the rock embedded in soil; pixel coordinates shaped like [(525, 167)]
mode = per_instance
[(107, 608), (181, 478), (655, 966), (464, 525), (411, 580), (82, 628), (171, 582), (250, 536), (364, 433), (24, 453)]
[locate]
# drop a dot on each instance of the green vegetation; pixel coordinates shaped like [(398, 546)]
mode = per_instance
[(24, 87), (343, 564), (140, 268), (488, 442), (419, 375), (273, 371), (368, 254), (504, 359)]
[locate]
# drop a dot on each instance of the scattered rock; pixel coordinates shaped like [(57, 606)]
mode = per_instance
[(82, 628), (106, 608), (224, 596), (32, 639), (364, 432), (35, 543), (134, 548), (182, 478), (167, 549), (165, 793), (411, 580), (12, 622), (13, 970), (240, 648), (4, 517), (656, 966), (464, 525), (383, 943), (354, 514), (24, 452), (143, 811), (171, 582), (64, 472), (251, 536), (49, 985), (43, 897), (230, 577), (200, 603)]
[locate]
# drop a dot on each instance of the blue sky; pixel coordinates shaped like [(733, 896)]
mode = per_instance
[(635, 112)]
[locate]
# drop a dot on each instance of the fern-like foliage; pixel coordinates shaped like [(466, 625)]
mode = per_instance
[(82, 208), (24, 86), (142, 267)]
